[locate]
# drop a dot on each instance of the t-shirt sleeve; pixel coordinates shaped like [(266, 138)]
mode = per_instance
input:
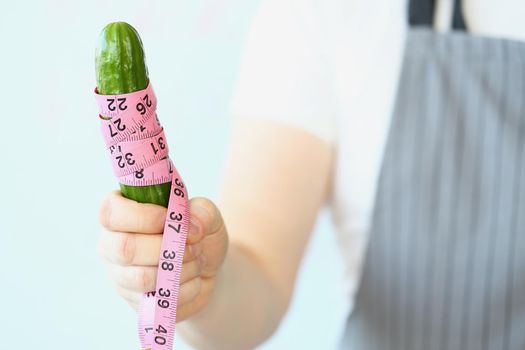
[(284, 73)]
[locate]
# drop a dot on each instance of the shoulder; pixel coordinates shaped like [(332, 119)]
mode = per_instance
[(297, 52), (284, 74)]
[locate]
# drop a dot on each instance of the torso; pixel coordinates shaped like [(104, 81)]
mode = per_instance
[(445, 259), (366, 40)]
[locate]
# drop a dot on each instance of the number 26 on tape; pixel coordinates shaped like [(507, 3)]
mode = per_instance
[(142, 107)]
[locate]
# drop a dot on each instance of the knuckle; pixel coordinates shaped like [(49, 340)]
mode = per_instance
[(142, 279), (125, 248)]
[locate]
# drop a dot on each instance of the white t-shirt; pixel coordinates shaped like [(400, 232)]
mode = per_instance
[(331, 67)]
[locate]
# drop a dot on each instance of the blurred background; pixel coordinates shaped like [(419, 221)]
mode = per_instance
[(55, 292)]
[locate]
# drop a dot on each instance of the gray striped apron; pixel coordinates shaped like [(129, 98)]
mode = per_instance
[(445, 261)]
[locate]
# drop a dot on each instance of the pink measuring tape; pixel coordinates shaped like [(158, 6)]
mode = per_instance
[(137, 147)]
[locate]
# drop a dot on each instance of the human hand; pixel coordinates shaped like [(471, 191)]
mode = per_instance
[(130, 247)]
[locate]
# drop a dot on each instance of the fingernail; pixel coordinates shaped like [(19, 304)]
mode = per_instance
[(196, 249)]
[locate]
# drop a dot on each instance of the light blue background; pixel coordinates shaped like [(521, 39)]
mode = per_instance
[(55, 292)]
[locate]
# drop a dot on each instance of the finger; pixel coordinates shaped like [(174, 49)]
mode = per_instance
[(211, 229), (190, 271), (199, 302), (189, 291), (134, 278), (205, 219), (125, 248), (118, 213), (131, 297), (144, 278), (136, 249)]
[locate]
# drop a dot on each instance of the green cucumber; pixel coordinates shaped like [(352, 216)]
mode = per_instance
[(121, 68)]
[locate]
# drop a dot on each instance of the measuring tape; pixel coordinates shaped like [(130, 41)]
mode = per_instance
[(138, 152)]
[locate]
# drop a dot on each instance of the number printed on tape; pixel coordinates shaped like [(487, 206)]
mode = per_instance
[(138, 152)]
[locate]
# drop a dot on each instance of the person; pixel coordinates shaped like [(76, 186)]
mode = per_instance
[(407, 119)]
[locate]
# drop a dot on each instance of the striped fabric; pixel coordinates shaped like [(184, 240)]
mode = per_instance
[(445, 266)]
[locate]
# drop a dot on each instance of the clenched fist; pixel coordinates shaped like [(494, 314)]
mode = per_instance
[(130, 245)]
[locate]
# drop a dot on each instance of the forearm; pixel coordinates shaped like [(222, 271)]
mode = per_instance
[(244, 310), (269, 199)]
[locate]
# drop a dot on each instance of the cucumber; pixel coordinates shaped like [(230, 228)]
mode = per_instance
[(121, 68)]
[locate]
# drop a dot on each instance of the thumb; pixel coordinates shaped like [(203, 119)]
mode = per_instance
[(207, 228), (205, 219)]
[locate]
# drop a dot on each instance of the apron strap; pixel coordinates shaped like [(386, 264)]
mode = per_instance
[(421, 13), (458, 21)]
